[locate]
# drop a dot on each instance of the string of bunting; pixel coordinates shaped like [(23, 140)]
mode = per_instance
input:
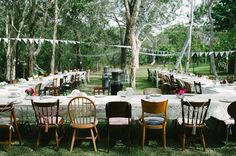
[(145, 51)]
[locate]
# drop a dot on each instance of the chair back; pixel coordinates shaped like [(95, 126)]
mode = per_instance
[(153, 107), (187, 86), (38, 89), (46, 113), (148, 91), (7, 111), (55, 82), (118, 109), (82, 111), (198, 87), (194, 113), (232, 110)]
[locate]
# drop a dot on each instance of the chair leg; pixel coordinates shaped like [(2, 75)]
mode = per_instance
[(38, 137), (164, 136), (94, 140), (10, 136), (96, 130), (18, 133), (57, 139), (203, 140), (73, 140), (129, 137), (108, 138), (143, 135), (184, 138)]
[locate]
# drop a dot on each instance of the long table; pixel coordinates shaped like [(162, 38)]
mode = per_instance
[(217, 109)]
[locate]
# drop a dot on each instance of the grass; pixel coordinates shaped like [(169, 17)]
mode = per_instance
[(214, 137)]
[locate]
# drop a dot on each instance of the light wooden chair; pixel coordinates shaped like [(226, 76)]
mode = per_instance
[(8, 121), (47, 117), (193, 118), (154, 117), (82, 114)]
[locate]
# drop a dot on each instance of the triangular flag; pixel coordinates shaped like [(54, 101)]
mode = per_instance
[(77, 42), (18, 39), (36, 41), (56, 41), (0, 39), (222, 53), (210, 53), (31, 40), (5, 40), (41, 40), (51, 41), (216, 53), (25, 40), (201, 53)]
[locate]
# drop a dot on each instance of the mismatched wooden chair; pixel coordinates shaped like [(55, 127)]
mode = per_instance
[(198, 87), (38, 89), (231, 121), (82, 114), (193, 118), (47, 117), (97, 90), (54, 89), (154, 118), (188, 87), (118, 115), (8, 121)]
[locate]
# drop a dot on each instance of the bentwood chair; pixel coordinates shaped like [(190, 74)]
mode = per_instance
[(8, 121), (198, 87), (118, 115), (154, 118), (47, 117), (193, 119), (82, 114)]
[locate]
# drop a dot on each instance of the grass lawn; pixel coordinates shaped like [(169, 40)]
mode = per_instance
[(214, 137)]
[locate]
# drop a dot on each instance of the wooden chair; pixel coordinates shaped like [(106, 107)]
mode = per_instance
[(118, 115), (231, 121), (38, 89), (82, 114), (148, 91), (198, 87), (53, 89), (154, 117), (188, 87), (193, 118), (8, 121), (97, 90), (47, 117)]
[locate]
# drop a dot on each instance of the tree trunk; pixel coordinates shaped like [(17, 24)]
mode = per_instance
[(125, 42), (212, 57), (132, 11), (52, 65)]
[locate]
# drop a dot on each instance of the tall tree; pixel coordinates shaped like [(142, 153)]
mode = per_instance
[(132, 11)]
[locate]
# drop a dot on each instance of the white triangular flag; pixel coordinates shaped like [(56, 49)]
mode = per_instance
[(36, 41), (31, 40), (210, 53), (25, 40), (5, 40), (41, 40), (201, 53), (222, 53), (56, 41), (51, 41), (18, 39)]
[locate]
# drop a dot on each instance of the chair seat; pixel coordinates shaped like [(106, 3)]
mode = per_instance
[(119, 121), (84, 124), (229, 121), (154, 120)]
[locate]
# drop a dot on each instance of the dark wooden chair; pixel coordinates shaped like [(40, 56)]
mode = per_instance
[(231, 121), (54, 89), (118, 115), (8, 121), (193, 118), (198, 87), (47, 117), (82, 113), (188, 87), (154, 118)]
